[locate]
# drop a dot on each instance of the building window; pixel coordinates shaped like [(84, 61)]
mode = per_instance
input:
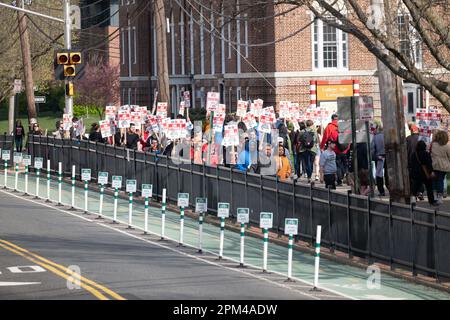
[(330, 46), (410, 44)]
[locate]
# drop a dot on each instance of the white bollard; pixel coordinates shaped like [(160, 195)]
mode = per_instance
[(130, 210), (37, 183), (163, 214), (317, 258), (16, 179), (26, 180), (146, 216), (116, 196), (290, 245), (48, 181), (85, 196), (59, 182), (181, 226), (200, 232), (222, 233), (73, 188), (100, 208), (266, 245), (6, 175), (241, 264)]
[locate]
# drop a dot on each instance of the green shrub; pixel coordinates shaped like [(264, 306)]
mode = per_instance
[(87, 111)]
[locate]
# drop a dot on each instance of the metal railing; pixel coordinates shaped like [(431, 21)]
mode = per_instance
[(395, 234)]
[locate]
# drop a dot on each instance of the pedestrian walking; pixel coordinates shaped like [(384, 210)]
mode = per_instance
[(440, 155), (19, 133), (422, 171), (328, 165), (379, 154)]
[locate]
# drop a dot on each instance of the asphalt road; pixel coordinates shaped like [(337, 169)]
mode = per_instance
[(42, 240)]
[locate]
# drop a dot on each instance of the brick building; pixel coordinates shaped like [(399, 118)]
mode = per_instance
[(209, 52)]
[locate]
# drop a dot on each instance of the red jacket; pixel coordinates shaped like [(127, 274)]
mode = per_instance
[(331, 132)]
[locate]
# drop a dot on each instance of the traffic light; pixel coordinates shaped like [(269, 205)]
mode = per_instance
[(68, 64), (69, 89), (75, 58)]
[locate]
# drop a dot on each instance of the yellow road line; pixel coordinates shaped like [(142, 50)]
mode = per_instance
[(78, 277)]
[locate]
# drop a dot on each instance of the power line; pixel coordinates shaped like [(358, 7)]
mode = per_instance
[(43, 32), (91, 4)]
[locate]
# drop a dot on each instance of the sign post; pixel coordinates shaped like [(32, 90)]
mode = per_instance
[(201, 206), (163, 213), (72, 207), (17, 160), (147, 190), (102, 180), (243, 217), (291, 229), (223, 211), (6, 155), (116, 184), (265, 223), (86, 177), (27, 163), (59, 183), (38, 162), (183, 202), (317, 259), (48, 181), (130, 189)]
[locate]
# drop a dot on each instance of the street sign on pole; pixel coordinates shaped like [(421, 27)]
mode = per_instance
[(40, 99), (17, 86)]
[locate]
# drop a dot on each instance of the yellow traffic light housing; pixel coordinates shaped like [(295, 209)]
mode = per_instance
[(62, 58), (69, 89), (69, 70), (75, 58)]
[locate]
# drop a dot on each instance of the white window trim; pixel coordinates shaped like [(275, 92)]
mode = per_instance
[(191, 39), (183, 57), (135, 45), (238, 38), (413, 41), (172, 43), (155, 52), (222, 43), (320, 49), (213, 48), (202, 43), (246, 35), (129, 48)]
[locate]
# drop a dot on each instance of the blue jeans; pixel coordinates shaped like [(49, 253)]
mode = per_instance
[(308, 161), (438, 183)]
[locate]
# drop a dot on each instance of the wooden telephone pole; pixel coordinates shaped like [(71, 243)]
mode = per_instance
[(391, 94), (161, 44), (26, 58)]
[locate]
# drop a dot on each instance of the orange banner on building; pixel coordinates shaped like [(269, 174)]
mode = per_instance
[(332, 92)]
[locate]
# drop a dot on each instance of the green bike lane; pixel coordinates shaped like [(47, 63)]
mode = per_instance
[(342, 279)]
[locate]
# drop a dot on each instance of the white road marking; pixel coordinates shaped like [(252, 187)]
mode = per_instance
[(19, 269), (11, 284)]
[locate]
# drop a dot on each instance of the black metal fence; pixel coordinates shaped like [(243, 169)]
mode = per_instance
[(399, 235)]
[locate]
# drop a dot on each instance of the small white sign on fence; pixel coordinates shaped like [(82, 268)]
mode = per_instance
[(131, 186), (26, 160), (17, 156), (6, 155), (86, 174), (291, 226), (243, 215), (147, 190), (183, 200), (201, 205), (266, 220), (38, 163), (223, 210), (103, 178), (116, 182)]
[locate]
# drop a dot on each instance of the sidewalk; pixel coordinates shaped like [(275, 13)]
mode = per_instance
[(347, 280)]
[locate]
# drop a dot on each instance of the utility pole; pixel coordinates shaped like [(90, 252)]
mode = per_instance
[(68, 46), (391, 94), (26, 58), (161, 44)]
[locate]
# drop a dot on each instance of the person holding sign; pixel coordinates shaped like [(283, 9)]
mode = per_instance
[(283, 165)]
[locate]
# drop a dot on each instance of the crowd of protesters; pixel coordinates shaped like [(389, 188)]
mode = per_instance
[(302, 150)]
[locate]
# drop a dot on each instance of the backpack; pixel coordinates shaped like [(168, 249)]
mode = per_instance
[(308, 139)]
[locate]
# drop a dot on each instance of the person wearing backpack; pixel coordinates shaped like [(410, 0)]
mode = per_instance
[(309, 149)]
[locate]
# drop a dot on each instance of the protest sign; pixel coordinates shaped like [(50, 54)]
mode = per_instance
[(105, 128), (124, 119), (241, 108), (67, 121), (212, 101), (161, 110)]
